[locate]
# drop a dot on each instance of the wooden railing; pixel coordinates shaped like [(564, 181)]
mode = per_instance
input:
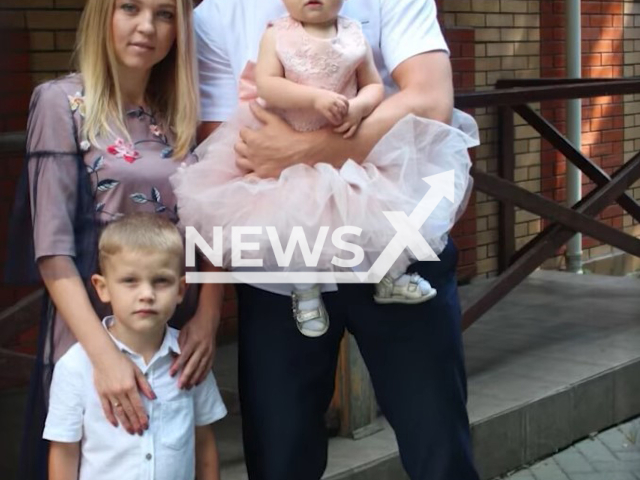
[(513, 96)]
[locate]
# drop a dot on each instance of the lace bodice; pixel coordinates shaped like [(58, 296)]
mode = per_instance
[(324, 63)]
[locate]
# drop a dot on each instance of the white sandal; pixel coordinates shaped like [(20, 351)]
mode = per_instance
[(387, 291), (316, 315)]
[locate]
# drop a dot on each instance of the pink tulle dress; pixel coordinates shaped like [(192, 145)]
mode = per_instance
[(214, 192)]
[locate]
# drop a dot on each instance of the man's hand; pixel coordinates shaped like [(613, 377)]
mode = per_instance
[(332, 106), (267, 151), (352, 121)]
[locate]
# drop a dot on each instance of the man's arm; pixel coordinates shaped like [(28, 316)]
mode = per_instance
[(207, 463), (426, 90), (218, 85), (64, 459)]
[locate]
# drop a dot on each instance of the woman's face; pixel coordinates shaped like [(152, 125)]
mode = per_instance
[(143, 32)]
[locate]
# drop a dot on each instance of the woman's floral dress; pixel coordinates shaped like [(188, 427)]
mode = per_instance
[(125, 175)]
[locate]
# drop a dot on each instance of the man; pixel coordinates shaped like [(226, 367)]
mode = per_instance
[(413, 353)]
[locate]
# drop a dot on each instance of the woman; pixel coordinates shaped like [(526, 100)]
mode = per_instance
[(102, 143)]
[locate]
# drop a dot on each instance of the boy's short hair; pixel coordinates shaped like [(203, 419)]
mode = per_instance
[(140, 232)]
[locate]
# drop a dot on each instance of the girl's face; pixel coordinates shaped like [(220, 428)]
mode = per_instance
[(313, 11), (143, 32)]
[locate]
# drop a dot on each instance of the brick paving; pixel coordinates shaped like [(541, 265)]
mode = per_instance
[(610, 455)]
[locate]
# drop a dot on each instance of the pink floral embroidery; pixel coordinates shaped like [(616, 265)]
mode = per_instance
[(124, 150), (156, 131), (76, 102)]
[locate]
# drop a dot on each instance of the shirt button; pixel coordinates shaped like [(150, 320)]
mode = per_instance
[(148, 456)]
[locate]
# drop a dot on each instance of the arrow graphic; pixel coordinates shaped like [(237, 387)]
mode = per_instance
[(408, 228)]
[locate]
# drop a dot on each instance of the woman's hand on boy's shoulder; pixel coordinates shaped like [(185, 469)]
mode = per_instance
[(119, 385)]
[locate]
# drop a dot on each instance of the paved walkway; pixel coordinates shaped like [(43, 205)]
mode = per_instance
[(611, 455)]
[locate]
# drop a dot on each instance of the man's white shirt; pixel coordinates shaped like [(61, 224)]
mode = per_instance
[(166, 451), (228, 34)]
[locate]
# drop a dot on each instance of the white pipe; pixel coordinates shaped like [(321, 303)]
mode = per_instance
[(574, 126)]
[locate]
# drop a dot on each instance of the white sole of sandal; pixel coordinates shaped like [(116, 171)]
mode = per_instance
[(405, 301), (313, 333)]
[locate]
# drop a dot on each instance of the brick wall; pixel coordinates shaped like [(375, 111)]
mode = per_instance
[(525, 39), (51, 26), (631, 67), (461, 43), (15, 90), (603, 121), (507, 46)]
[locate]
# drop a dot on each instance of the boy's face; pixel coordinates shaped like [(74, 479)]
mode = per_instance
[(143, 288), (313, 11)]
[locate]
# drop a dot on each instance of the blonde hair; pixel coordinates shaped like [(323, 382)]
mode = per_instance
[(172, 84), (141, 232)]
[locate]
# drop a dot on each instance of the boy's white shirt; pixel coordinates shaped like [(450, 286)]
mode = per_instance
[(228, 34), (166, 451)]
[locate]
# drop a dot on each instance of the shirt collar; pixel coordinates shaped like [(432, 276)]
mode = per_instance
[(169, 342)]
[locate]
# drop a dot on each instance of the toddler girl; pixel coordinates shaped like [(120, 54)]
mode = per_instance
[(316, 69)]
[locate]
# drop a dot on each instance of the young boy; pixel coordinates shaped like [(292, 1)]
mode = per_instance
[(141, 261)]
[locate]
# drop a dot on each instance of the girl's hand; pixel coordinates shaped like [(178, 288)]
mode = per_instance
[(197, 347), (118, 382), (351, 122), (333, 106)]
